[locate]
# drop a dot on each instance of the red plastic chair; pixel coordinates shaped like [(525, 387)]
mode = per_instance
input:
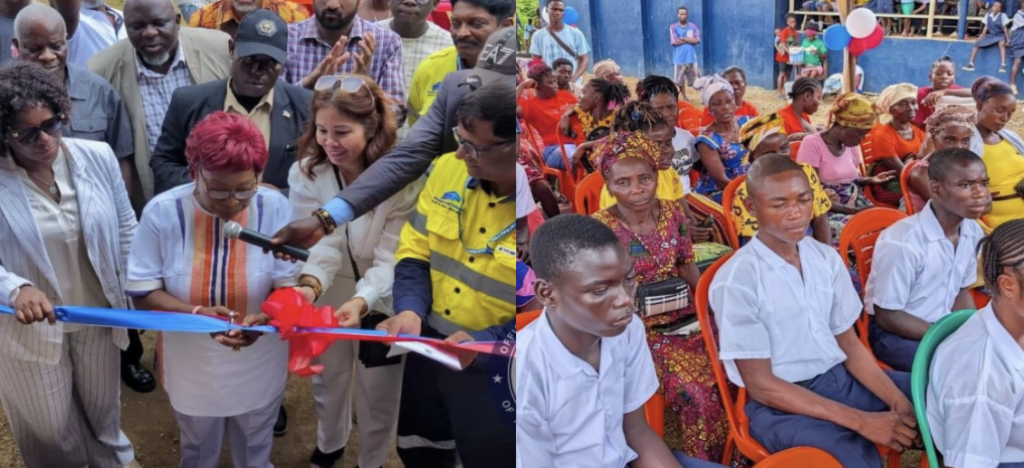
[(732, 228), (525, 318), (801, 457), (588, 194), (905, 185)]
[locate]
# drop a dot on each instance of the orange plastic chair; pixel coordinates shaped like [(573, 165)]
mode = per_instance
[(523, 319), (588, 194), (905, 185), (860, 235), (980, 299), (732, 228), (800, 457)]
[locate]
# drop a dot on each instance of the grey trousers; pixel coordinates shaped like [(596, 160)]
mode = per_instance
[(250, 438)]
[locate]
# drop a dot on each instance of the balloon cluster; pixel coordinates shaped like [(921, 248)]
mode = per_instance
[(860, 34)]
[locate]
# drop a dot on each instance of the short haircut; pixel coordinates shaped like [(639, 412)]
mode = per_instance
[(27, 85), (36, 12), (550, 2), (790, 16), (1004, 248), (494, 103), (654, 85), (561, 61), (560, 241), (682, 8), (224, 142), (735, 70), (944, 161), (766, 166), (500, 9)]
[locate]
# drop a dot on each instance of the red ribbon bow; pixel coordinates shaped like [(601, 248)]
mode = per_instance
[(288, 310)]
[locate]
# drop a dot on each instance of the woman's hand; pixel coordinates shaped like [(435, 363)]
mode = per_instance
[(564, 126), (932, 98), (32, 306), (880, 178), (581, 152), (240, 338), (307, 293), (407, 322), (350, 313)]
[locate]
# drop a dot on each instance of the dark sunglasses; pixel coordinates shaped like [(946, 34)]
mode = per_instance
[(30, 136)]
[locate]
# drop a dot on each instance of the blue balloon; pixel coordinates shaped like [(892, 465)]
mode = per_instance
[(837, 37), (571, 16)]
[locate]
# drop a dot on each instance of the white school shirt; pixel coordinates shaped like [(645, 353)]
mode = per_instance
[(181, 249), (684, 157), (917, 270), (524, 197), (570, 415), (766, 310), (976, 395)]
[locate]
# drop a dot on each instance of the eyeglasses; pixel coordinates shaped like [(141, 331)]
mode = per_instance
[(474, 151), (30, 136), (222, 195)]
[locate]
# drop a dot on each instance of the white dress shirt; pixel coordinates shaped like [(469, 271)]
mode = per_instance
[(524, 197), (917, 270), (767, 310), (119, 31), (91, 37), (569, 414), (976, 395)]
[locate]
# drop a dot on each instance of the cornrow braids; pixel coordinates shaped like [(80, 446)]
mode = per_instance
[(654, 85), (942, 60), (1004, 248), (803, 86), (615, 94), (637, 116)]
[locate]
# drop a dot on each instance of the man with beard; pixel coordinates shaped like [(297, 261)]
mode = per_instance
[(97, 112), (226, 15), (337, 41), (159, 57), (420, 38), (473, 21), (279, 109)]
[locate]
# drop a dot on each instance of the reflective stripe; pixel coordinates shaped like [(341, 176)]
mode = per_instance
[(412, 442), (445, 327), (471, 278), (418, 222)]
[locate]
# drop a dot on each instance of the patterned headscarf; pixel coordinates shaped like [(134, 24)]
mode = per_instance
[(953, 116), (756, 130), (622, 145), (708, 86), (891, 96), (852, 110)]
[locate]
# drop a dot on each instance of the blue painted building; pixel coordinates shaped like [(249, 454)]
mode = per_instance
[(635, 33)]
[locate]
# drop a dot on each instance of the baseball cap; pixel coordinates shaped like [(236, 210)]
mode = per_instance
[(262, 32), (497, 59)]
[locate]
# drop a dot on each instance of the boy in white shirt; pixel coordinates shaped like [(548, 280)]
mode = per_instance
[(786, 307), (976, 390), (584, 369), (924, 265)]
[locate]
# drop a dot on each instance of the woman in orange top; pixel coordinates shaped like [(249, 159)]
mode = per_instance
[(893, 140), (544, 111), (796, 117), (738, 79)]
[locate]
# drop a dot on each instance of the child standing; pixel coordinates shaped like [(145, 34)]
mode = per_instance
[(784, 39), (943, 78), (1016, 47), (685, 37), (994, 32)]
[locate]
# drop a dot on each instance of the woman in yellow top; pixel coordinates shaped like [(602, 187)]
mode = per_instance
[(1001, 149), (766, 135)]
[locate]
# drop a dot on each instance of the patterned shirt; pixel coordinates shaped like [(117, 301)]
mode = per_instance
[(216, 15), (306, 49), (415, 51), (156, 90)]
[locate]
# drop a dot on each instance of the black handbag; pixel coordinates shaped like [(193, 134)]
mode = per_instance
[(662, 297)]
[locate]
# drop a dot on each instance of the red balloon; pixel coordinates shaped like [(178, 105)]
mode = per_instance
[(875, 38), (858, 46)]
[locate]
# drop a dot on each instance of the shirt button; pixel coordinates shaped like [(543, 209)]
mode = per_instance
[(483, 230), (447, 312), (471, 259), (491, 205), (457, 290)]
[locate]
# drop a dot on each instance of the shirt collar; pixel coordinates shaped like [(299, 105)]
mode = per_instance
[(179, 61), (78, 90), (932, 229), (474, 183), (1005, 346), (560, 359), (232, 100), (770, 256)]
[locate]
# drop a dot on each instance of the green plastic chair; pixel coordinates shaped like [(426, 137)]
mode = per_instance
[(922, 366)]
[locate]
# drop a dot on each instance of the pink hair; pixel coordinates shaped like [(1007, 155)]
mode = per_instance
[(224, 142)]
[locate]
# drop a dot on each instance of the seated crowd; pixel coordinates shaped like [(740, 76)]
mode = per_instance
[(818, 344)]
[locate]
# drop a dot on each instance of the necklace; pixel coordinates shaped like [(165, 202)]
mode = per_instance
[(51, 186)]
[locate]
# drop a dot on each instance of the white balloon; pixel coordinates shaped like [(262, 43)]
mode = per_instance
[(861, 23)]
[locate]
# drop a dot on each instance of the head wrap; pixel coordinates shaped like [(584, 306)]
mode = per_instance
[(892, 96), (756, 130), (623, 145), (708, 86), (852, 110), (988, 87), (606, 67), (953, 116)]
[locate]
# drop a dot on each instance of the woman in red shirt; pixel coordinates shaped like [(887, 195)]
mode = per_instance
[(893, 140), (737, 78), (806, 96), (544, 111)]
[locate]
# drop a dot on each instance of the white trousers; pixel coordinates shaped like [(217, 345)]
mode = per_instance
[(377, 393), (68, 415), (250, 438)]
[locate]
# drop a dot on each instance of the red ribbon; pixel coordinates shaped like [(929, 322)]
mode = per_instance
[(289, 310)]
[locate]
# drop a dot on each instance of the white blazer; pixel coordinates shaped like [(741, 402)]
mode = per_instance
[(374, 240), (108, 224)]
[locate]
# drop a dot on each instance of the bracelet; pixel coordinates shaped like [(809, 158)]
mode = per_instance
[(326, 220), (366, 307), (196, 310), (311, 282)]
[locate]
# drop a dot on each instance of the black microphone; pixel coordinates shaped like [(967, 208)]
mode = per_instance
[(236, 231)]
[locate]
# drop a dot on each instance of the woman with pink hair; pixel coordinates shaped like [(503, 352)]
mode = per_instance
[(181, 261)]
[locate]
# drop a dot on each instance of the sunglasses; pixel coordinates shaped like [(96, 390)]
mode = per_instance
[(30, 136), (474, 151), (346, 83), (222, 195)]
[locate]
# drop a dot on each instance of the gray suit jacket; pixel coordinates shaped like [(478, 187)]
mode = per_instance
[(189, 105)]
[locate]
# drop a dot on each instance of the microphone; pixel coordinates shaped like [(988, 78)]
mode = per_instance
[(235, 231)]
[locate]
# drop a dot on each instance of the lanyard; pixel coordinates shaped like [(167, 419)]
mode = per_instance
[(487, 248)]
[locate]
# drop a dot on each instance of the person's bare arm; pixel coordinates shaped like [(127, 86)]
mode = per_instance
[(581, 66), (901, 323), (892, 163), (920, 183), (650, 449), (822, 229), (69, 10), (689, 273), (713, 164), (863, 367), (964, 300)]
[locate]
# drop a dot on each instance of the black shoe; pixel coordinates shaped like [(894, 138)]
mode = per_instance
[(138, 378), (326, 460), (281, 426)]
